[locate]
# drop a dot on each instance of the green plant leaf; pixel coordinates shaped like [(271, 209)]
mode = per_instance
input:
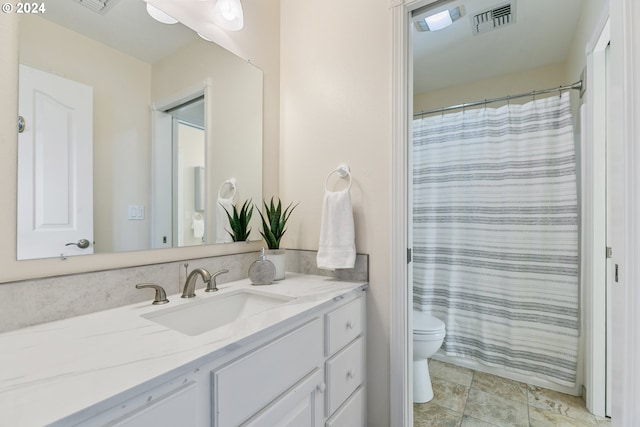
[(239, 221), (274, 222)]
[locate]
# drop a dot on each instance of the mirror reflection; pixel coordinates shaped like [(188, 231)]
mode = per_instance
[(117, 170)]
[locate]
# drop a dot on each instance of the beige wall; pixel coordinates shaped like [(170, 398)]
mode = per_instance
[(335, 107), (515, 83), (234, 121), (120, 123)]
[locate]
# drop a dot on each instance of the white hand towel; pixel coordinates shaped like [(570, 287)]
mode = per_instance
[(197, 224), (222, 222), (337, 248)]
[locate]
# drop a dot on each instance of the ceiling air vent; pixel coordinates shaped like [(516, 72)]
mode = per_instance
[(98, 6), (494, 18)]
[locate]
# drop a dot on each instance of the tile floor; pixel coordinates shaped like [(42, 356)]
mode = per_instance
[(467, 398)]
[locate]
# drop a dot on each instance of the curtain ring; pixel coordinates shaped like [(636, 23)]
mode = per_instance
[(485, 104), (442, 113), (533, 95)]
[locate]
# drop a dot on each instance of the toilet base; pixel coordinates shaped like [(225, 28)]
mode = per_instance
[(422, 390)]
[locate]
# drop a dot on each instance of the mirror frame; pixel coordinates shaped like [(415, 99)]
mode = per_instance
[(259, 41)]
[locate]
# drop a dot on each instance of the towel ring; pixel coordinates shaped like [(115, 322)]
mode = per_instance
[(343, 171), (232, 183)]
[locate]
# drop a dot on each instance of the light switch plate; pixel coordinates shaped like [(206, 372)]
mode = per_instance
[(136, 212)]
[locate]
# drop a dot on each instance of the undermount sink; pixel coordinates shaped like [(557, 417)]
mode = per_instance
[(197, 317)]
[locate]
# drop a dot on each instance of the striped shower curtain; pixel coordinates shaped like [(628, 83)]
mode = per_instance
[(495, 224)]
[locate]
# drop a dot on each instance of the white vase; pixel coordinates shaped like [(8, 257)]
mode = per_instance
[(277, 257)]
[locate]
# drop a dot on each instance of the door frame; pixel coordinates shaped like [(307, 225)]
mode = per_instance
[(625, 133), (163, 216), (593, 183), (401, 346)]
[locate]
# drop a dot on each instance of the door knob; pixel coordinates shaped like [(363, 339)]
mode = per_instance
[(82, 244)]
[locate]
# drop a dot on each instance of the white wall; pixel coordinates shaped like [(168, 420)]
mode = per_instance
[(335, 107)]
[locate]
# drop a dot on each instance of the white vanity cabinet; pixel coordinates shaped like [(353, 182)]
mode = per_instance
[(308, 372)]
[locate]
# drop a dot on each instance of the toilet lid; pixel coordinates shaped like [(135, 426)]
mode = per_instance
[(426, 322)]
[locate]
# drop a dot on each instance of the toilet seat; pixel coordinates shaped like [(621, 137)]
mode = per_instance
[(426, 324), (426, 335)]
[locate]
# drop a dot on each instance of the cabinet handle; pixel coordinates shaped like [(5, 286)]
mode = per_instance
[(321, 387), (350, 374), (349, 324)]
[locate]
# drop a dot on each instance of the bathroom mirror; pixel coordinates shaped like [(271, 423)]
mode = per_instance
[(137, 70)]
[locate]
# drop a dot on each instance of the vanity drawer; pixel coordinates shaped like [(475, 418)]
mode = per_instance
[(247, 385), (343, 325), (352, 412), (344, 373)]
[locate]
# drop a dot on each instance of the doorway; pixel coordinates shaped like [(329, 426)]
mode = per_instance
[(403, 82), (179, 178)]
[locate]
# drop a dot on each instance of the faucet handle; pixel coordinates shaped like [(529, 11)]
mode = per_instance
[(161, 295), (212, 286)]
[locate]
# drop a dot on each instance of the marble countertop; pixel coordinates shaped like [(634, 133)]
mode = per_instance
[(53, 370)]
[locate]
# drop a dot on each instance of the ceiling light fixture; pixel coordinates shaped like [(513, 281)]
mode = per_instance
[(440, 20), (159, 15), (228, 15)]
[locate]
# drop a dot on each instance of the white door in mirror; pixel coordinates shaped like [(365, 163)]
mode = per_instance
[(55, 166)]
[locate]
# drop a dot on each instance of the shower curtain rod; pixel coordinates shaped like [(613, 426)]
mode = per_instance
[(576, 85)]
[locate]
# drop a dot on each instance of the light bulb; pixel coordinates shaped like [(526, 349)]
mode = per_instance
[(228, 15), (159, 15)]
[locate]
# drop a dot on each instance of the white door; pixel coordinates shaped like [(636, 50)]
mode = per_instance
[(55, 166)]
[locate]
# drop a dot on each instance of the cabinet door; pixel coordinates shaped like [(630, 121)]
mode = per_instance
[(345, 372), (351, 413), (244, 387), (301, 406), (177, 408)]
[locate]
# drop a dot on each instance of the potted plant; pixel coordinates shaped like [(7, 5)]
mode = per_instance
[(239, 221), (274, 221)]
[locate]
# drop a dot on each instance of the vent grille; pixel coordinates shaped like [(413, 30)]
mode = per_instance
[(494, 18), (98, 6)]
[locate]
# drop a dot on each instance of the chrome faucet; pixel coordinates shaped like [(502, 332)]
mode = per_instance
[(189, 290), (161, 295), (213, 286)]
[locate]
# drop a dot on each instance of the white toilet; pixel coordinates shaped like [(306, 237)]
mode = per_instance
[(428, 334)]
